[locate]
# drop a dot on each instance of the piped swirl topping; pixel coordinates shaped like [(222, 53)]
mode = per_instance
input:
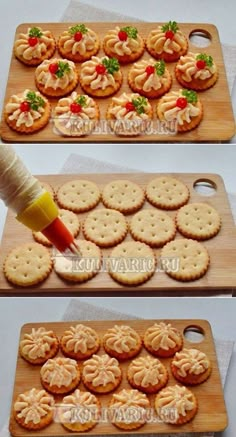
[(33, 405), (146, 371), (162, 336), (196, 66), (123, 41), (60, 372), (101, 370), (121, 338), (176, 399), (167, 38), (37, 343), (190, 361), (80, 338), (33, 44), (25, 108)]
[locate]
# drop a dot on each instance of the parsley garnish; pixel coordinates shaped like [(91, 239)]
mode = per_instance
[(63, 67), (191, 96), (160, 67), (34, 101), (78, 28), (112, 65), (35, 31), (172, 25), (204, 57), (81, 100), (132, 32), (140, 104)]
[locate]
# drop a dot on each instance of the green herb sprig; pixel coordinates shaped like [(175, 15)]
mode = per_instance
[(34, 101), (140, 104), (160, 67), (206, 58), (35, 32), (82, 101), (63, 67), (112, 65), (78, 28), (171, 25), (190, 95), (132, 32)]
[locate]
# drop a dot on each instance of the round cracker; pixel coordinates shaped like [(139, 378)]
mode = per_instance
[(123, 195), (199, 221), (79, 269), (132, 263), (105, 227), (184, 259), (78, 195), (88, 407), (166, 192), (152, 227), (166, 404), (78, 56), (27, 399), (28, 264), (38, 123), (186, 126), (139, 88)]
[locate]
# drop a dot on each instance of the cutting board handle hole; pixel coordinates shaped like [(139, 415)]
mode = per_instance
[(200, 38), (194, 334), (205, 187)]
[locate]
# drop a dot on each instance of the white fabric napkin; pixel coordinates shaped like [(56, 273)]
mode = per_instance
[(79, 11)]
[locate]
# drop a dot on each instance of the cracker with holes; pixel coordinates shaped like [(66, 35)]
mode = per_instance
[(153, 227), (28, 264), (166, 192), (184, 259), (78, 195), (123, 195), (132, 263), (69, 219), (105, 227), (199, 221), (79, 269)]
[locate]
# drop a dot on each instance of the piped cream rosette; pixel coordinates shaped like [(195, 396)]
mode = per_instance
[(75, 115), (129, 114)]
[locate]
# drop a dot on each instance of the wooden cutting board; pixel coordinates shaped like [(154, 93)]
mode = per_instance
[(218, 121), (220, 277), (211, 414)]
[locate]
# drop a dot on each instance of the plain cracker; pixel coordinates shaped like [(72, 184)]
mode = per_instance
[(166, 192), (190, 259), (78, 195), (132, 263), (28, 264), (105, 227), (152, 227), (123, 195), (199, 221)]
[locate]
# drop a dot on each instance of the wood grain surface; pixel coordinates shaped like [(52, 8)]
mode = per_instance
[(211, 414), (218, 121), (220, 277)]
